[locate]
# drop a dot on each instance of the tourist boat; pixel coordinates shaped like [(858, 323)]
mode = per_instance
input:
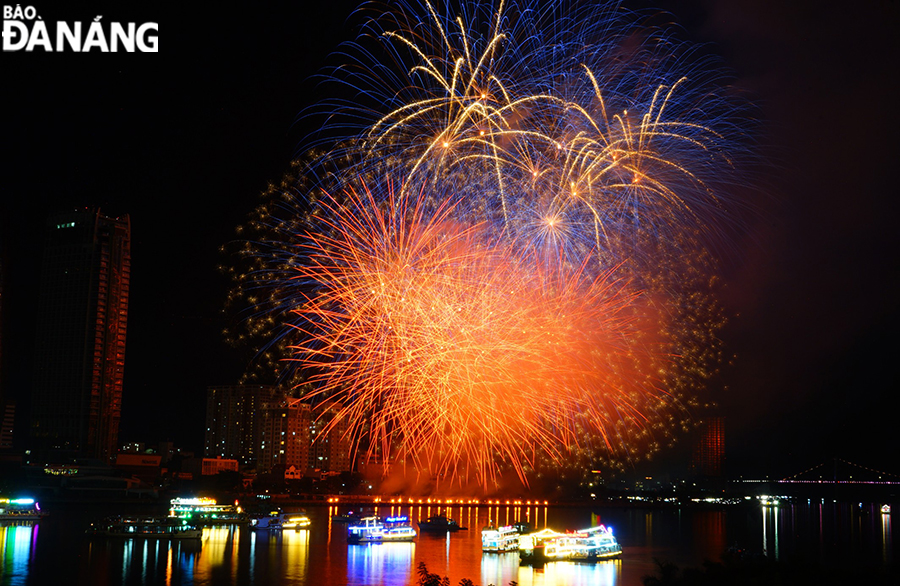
[(351, 517), (500, 540), (348, 518), (206, 511), (278, 520), (145, 528), (886, 509), (376, 530), (439, 525), (531, 545), (21, 509), (588, 545)]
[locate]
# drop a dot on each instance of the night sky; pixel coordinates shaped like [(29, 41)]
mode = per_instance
[(186, 140)]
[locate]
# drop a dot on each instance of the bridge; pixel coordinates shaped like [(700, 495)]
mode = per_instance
[(836, 479), (839, 471)]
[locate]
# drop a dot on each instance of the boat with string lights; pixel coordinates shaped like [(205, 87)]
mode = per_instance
[(20, 509), (140, 527), (206, 511), (278, 520), (587, 545), (500, 539), (378, 530)]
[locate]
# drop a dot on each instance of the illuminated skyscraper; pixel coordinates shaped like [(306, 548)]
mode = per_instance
[(285, 436), (1, 323), (709, 448), (234, 421), (330, 445), (7, 425), (79, 358), (7, 405), (2, 330)]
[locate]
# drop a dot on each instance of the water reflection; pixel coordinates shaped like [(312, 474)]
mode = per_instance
[(217, 544), (381, 563), (295, 545), (16, 547), (561, 573), (126, 558), (186, 562), (772, 518), (709, 531), (497, 568), (238, 556)]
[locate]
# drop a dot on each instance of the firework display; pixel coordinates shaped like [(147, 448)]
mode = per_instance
[(501, 260)]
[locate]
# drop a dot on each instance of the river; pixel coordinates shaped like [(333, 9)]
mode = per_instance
[(56, 550)]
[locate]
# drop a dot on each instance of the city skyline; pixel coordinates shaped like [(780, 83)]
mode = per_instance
[(811, 288)]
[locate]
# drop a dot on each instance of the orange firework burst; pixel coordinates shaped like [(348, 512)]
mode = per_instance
[(452, 352), (537, 287)]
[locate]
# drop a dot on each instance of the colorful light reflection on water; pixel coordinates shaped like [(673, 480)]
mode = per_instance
[(16, 551), (57, 551)]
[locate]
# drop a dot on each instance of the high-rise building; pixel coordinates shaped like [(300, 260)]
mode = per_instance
[(233, 422), (7, 425), (329, 449), (2, 331), (79, 359), (2, 328), (285, 437), (709, 448)]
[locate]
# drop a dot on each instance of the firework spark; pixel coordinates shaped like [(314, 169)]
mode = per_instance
[(535, 284), (430, 335)]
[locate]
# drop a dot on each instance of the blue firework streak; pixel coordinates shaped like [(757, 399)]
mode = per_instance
[(527, 112)]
